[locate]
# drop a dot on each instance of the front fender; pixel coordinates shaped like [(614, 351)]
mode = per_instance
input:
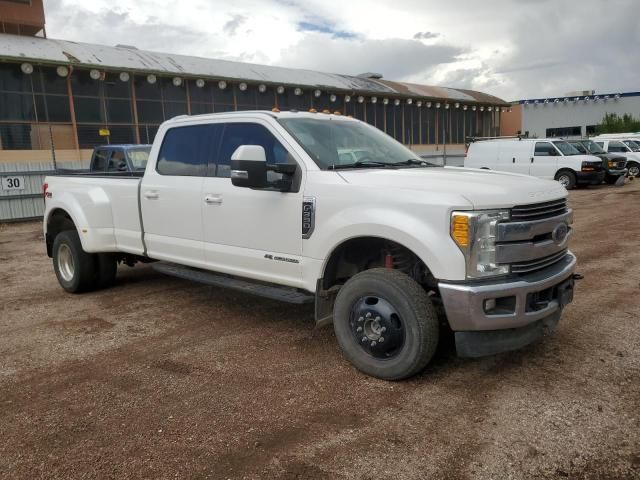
[(428, 238)]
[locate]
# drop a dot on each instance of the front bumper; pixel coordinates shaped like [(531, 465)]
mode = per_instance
[(592, 178), (464, 303), (616, 173)]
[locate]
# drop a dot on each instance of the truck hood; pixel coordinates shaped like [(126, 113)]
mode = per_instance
[(482, 188)]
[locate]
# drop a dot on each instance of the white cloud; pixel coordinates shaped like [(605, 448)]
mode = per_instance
[(509, 48)]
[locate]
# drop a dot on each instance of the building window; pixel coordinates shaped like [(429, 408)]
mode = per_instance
[(564, 132)]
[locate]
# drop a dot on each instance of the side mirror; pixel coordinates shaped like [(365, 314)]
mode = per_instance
[(249, 167)]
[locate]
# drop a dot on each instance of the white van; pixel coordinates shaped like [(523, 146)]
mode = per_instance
[(539, 157), (625, 146)]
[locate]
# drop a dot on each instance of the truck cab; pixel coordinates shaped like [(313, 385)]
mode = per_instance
[(119, 158)]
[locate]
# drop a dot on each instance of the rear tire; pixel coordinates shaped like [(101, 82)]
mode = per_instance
[(567, 179), (385, 324), (107, 264), (75, 268)]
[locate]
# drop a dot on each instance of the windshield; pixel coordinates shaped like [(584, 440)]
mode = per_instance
[(566, 148), (344, 144), (139, 156), (593, 147), (634, 146)]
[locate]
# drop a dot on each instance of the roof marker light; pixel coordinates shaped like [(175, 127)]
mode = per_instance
[(332, 97), (473, 108), (360, 99), (409, 101), (428, 104), (95, 74), (242, 86), (280, 90), (419, 103), (464, 107), (317, 93), (26, 68), (297, 91), (396, 102), (222, 84), (199, 83), (374, 99), (151, 78), (385, 101), (125, 77), (457, 105), (262, 88), (347, 98)]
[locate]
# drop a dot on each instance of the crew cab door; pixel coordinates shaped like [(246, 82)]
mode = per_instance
[(544, 162), (255, 233), (171, 196)]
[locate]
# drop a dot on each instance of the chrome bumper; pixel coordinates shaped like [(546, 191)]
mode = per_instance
[(464, 303)]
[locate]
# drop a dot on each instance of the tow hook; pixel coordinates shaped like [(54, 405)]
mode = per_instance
[(577, 276)]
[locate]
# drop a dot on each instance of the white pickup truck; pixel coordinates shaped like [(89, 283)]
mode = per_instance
[(382, 242)]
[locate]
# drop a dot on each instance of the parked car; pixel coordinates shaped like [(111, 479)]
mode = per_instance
[(119, 158), (613, 164), (617, 146), (634, 145), (551, 159), (376, 244)]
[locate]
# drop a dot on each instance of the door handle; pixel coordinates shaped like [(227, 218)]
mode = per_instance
[(531, 159), (514, 160), (213, 199), (151, 195)]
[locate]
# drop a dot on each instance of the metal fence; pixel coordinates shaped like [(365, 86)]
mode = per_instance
[(21, 188)]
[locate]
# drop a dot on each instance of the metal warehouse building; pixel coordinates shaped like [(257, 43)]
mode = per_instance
[(59, 99), (68, 94), (575, 114)]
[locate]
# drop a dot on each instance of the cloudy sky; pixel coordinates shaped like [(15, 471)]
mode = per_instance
[(510, 48)]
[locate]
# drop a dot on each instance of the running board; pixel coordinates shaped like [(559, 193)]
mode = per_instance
[(283, 294)]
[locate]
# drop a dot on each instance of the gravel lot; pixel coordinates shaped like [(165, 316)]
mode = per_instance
[(162, 378)]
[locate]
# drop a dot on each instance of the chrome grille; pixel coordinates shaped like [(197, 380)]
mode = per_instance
[(538, 264), (539, 211)]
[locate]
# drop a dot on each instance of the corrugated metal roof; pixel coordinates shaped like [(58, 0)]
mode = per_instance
[(43, 50)]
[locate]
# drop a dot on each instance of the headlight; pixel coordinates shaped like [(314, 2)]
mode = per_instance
[(475, 235)]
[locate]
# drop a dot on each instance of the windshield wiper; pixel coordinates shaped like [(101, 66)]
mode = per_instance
[(360, 164), (415, 161)]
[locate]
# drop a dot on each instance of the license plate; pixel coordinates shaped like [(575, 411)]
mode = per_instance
[(565, 293)]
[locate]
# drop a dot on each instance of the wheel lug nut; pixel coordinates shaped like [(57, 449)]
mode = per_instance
[(364, 339), (359, 329), (383, 329), (377, 319), (368, 315), (361, 319), (381, 340), (373, 344)]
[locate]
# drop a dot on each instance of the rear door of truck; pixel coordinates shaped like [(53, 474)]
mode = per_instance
[(171, 195)]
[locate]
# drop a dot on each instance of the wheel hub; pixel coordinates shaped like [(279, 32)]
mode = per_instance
[(65, 263), (377, 327)]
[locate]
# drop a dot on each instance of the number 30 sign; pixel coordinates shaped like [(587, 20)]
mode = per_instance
[(12, 183)]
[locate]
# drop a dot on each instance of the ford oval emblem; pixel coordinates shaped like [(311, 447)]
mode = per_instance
[(559, 234)]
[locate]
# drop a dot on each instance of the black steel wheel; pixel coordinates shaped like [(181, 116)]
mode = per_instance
[(385, 324)]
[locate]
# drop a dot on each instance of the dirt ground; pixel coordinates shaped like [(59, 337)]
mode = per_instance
[(162, 378)]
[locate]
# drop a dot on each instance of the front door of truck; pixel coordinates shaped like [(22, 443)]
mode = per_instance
[(544, 163), (171, 196), (247, 232)]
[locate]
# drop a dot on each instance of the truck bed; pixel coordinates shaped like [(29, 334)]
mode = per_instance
[(109, 211)]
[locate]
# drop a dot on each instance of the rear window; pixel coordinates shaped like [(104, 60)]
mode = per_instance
[(186, 151)]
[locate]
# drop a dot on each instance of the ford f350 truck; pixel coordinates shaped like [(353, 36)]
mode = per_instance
[(272, 203)]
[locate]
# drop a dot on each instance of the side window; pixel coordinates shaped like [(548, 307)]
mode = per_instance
[(100, 160), (616, 147), (544, 149), (600, 144), (186, 151), (117, 162), (236, 134)]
